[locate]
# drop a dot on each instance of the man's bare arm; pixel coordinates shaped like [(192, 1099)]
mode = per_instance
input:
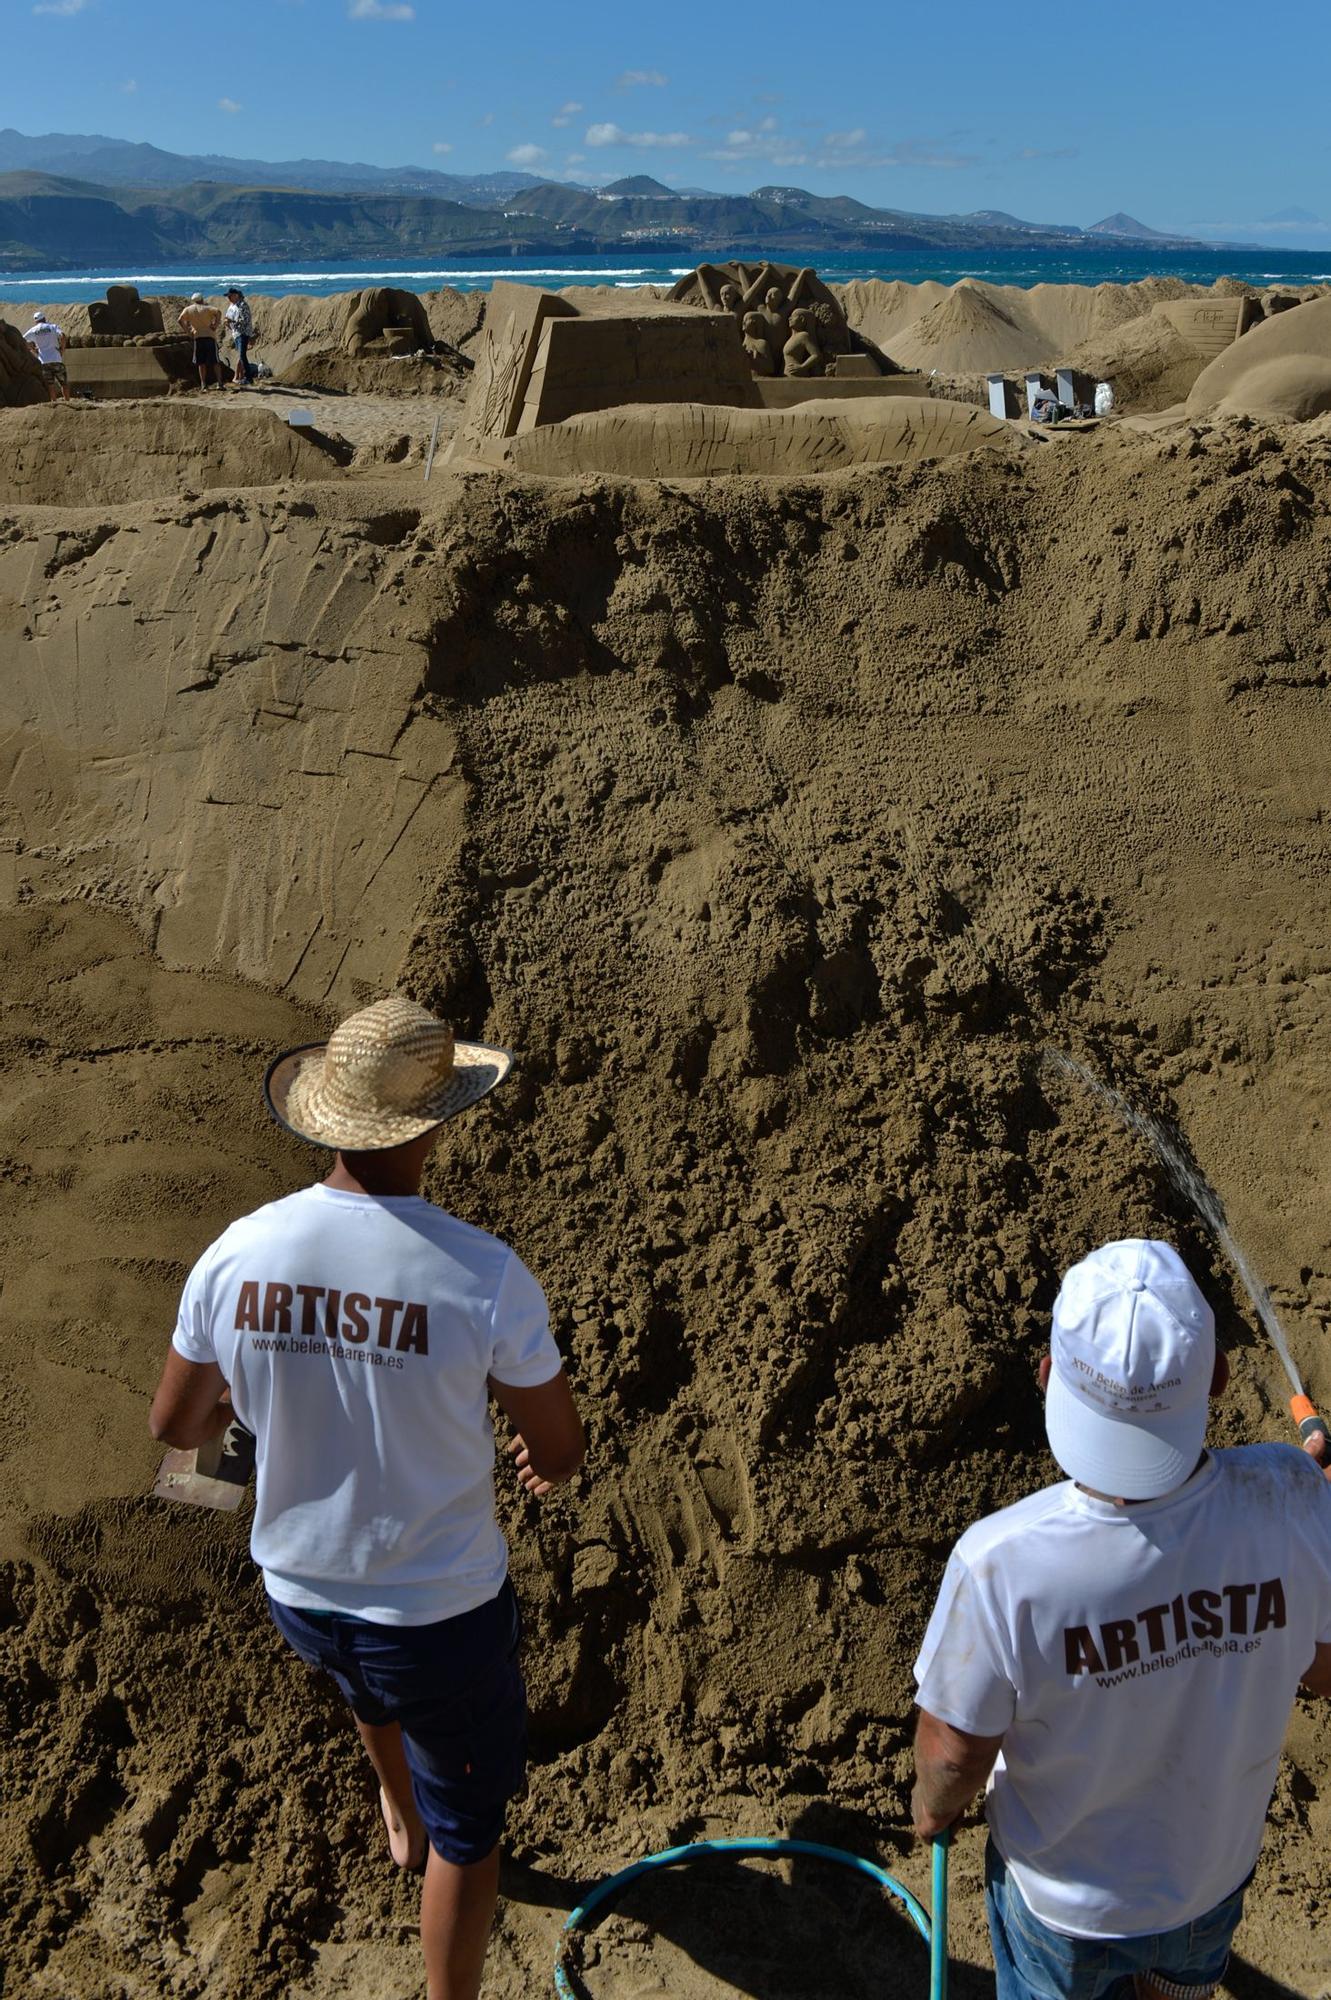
[(550, 1442), (1317, 1680), (950, 1767), (189, 1407)]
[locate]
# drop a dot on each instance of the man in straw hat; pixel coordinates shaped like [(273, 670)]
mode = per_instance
[(1122, 1652), (358, 1331)]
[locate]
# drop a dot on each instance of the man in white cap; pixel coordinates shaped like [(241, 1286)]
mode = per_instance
[(201, 321), (1118, 1655), (358, 1332), (47, 342)]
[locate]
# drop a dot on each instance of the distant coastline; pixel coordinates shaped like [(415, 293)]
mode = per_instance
[(1116, 263)]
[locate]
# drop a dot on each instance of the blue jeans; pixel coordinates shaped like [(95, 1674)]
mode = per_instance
[(242, 357), (1033, 1962)]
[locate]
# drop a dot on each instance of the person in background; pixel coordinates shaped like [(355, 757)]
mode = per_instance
[(202, 321), (1118, 1654), (240, 322), (359, 1332), (47, 342)]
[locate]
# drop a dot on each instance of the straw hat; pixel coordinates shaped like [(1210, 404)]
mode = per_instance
[(384, 1076)]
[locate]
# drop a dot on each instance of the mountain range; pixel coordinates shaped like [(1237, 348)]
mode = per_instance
[(72, 199)]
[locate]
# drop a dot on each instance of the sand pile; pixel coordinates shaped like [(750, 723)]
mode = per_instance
[(779, 827), (75, 457)]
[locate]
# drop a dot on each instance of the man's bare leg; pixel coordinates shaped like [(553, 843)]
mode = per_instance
[(406, 1829), (457, 1911)]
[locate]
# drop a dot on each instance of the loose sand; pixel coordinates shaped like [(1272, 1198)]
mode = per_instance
[(779, 825)]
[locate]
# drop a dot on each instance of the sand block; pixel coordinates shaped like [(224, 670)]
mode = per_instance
[(704, 440), (1209, 326), (110, 372), (848, 367), (505, 353), (596, 364)]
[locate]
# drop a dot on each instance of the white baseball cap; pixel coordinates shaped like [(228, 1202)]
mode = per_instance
[(1133, 1346)]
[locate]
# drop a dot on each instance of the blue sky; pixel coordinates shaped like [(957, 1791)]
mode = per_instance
[(1208, 119)]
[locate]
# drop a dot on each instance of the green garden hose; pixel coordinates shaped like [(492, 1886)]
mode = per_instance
[(931, 1927)]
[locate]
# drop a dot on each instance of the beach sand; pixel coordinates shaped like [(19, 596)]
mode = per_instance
[(779, 826)]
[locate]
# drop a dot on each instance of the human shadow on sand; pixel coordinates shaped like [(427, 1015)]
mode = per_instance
[(771, 1930)]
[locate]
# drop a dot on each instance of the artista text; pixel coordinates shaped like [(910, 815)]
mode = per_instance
[(1235, 1610), (314, 1312)]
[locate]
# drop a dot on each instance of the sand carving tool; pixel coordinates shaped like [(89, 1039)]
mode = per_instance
[(215, 1475)]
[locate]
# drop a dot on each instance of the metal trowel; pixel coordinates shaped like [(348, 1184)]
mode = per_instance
[(215, 1475)]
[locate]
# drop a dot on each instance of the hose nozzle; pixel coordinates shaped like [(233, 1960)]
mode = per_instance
[(1306, 1417)]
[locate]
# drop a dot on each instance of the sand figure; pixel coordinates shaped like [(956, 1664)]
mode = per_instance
[(376, 315), (776, 319), (123, 315), (757, 344), (202, 321), (1211, 1608), (361, 1355), (47, 342), (732, 301), (802, 354)]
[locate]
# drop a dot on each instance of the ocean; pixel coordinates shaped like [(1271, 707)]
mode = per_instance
[(1116, 263)]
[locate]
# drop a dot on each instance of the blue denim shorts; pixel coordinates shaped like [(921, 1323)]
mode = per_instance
[(1033, 1962), (455, 1687)]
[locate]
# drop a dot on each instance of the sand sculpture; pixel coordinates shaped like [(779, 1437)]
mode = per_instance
[(757, 333), (775, 290), (20, 375), (385, 320), (1279, 369), (123, 314), (700, 441), (1209, 326), (542, 360)]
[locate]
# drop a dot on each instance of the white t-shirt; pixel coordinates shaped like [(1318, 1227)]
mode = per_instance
[(1139, 1663), (356, 1335), (46, 339)]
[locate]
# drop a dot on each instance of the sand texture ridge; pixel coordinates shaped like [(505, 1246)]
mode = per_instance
[(780, 824)]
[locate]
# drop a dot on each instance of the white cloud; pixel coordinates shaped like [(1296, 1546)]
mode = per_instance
[(130, 85), (229, 104), (629, 79), (486, 118), (576, 160), (60, 6), (380, 10), (527, 156), (846, 141), (762, 143), (613, 135), (566, 113), (441, 146)]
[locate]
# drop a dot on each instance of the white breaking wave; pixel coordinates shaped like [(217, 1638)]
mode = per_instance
[(626, 271)]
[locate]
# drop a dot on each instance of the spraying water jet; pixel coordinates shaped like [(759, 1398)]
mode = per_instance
[(1197, 1190)]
